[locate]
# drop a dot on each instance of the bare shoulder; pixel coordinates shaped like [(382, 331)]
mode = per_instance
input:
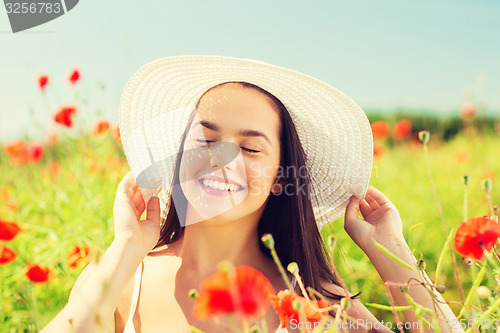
[(356, 311)]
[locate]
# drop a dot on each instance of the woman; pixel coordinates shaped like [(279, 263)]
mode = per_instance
[(225, 150)]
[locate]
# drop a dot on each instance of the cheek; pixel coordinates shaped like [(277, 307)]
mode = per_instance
[(260, 177), (183, 171)]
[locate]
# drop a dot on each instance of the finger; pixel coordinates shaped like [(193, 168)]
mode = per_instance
[(365, 208), (126, 183), (141, 207), (372, 202), (138, 203), (153, 210), (378, 196), (124, 193), (352, 209)]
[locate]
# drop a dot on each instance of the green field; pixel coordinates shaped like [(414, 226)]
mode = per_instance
[(58, 209)]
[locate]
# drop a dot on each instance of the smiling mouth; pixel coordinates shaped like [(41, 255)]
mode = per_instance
[(219, 186)]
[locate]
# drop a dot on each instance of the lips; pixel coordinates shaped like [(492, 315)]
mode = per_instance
[(221, 180), (217, 184)]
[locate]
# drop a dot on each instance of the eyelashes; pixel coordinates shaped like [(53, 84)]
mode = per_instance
[(251, 151)]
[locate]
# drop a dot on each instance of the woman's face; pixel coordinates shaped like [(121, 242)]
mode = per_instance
[(231, 154)]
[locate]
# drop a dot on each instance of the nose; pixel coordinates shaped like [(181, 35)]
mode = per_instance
[(224, 154), (232, 164)]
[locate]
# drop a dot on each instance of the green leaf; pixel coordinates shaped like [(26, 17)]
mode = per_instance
[(441, 256), (392, 256), (389, 308)]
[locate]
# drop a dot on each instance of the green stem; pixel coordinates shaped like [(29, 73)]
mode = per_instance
[(493, 307), (477, 281), (245, 326), (474, 276), (490, 204), (441, 257), (281, 269), (465, 202)]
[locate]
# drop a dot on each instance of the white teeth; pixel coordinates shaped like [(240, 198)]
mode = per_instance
[(219, 185)]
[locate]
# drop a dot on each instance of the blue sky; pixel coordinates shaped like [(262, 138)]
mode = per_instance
[(383, 54)]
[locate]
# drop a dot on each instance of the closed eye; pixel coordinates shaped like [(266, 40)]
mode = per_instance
[(245, 149)]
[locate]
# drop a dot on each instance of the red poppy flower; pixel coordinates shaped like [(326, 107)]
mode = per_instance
[(7, 255), (9, 230), (65, 116), (38, 273), (74, 77), (378, 150), (474, 235), (77, 255), (101, 127), (243, 290), (380, 130), (468, 110), (34, 152), (42, 81), (310, 311), (14, 148), (402, 129)]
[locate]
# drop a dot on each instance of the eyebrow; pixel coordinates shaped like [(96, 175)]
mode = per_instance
[(245, 132)]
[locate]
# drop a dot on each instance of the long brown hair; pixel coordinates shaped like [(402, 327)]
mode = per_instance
[(289, 218)]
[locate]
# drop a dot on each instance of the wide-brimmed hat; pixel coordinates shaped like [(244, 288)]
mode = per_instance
[(334, 132)]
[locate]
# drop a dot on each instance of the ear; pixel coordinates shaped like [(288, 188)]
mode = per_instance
[(278, 185)]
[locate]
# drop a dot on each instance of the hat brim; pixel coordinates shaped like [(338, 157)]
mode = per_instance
[(333, 130)]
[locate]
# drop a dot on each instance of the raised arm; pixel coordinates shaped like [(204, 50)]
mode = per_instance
[(96, 293), (383, 224)]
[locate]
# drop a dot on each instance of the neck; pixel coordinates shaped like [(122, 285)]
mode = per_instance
[(207, 243)]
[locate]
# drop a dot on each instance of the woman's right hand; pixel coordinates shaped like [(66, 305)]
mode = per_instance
[(127, 211)]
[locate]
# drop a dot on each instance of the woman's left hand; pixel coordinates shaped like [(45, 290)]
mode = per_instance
[(381, 222)]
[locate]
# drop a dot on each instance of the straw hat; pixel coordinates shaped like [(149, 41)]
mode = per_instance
[(335, 134)]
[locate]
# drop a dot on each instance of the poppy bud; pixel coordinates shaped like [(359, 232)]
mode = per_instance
[(421, 265), (424, 136), (487, 184), (332, 240), (225, 266), (296, 304), (404, 289), (483, 292), (293, 268), (268, 241), (440, 288), (193, 293), (466, 179)]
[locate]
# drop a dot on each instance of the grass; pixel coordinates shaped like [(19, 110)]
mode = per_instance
[(59, 209)]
